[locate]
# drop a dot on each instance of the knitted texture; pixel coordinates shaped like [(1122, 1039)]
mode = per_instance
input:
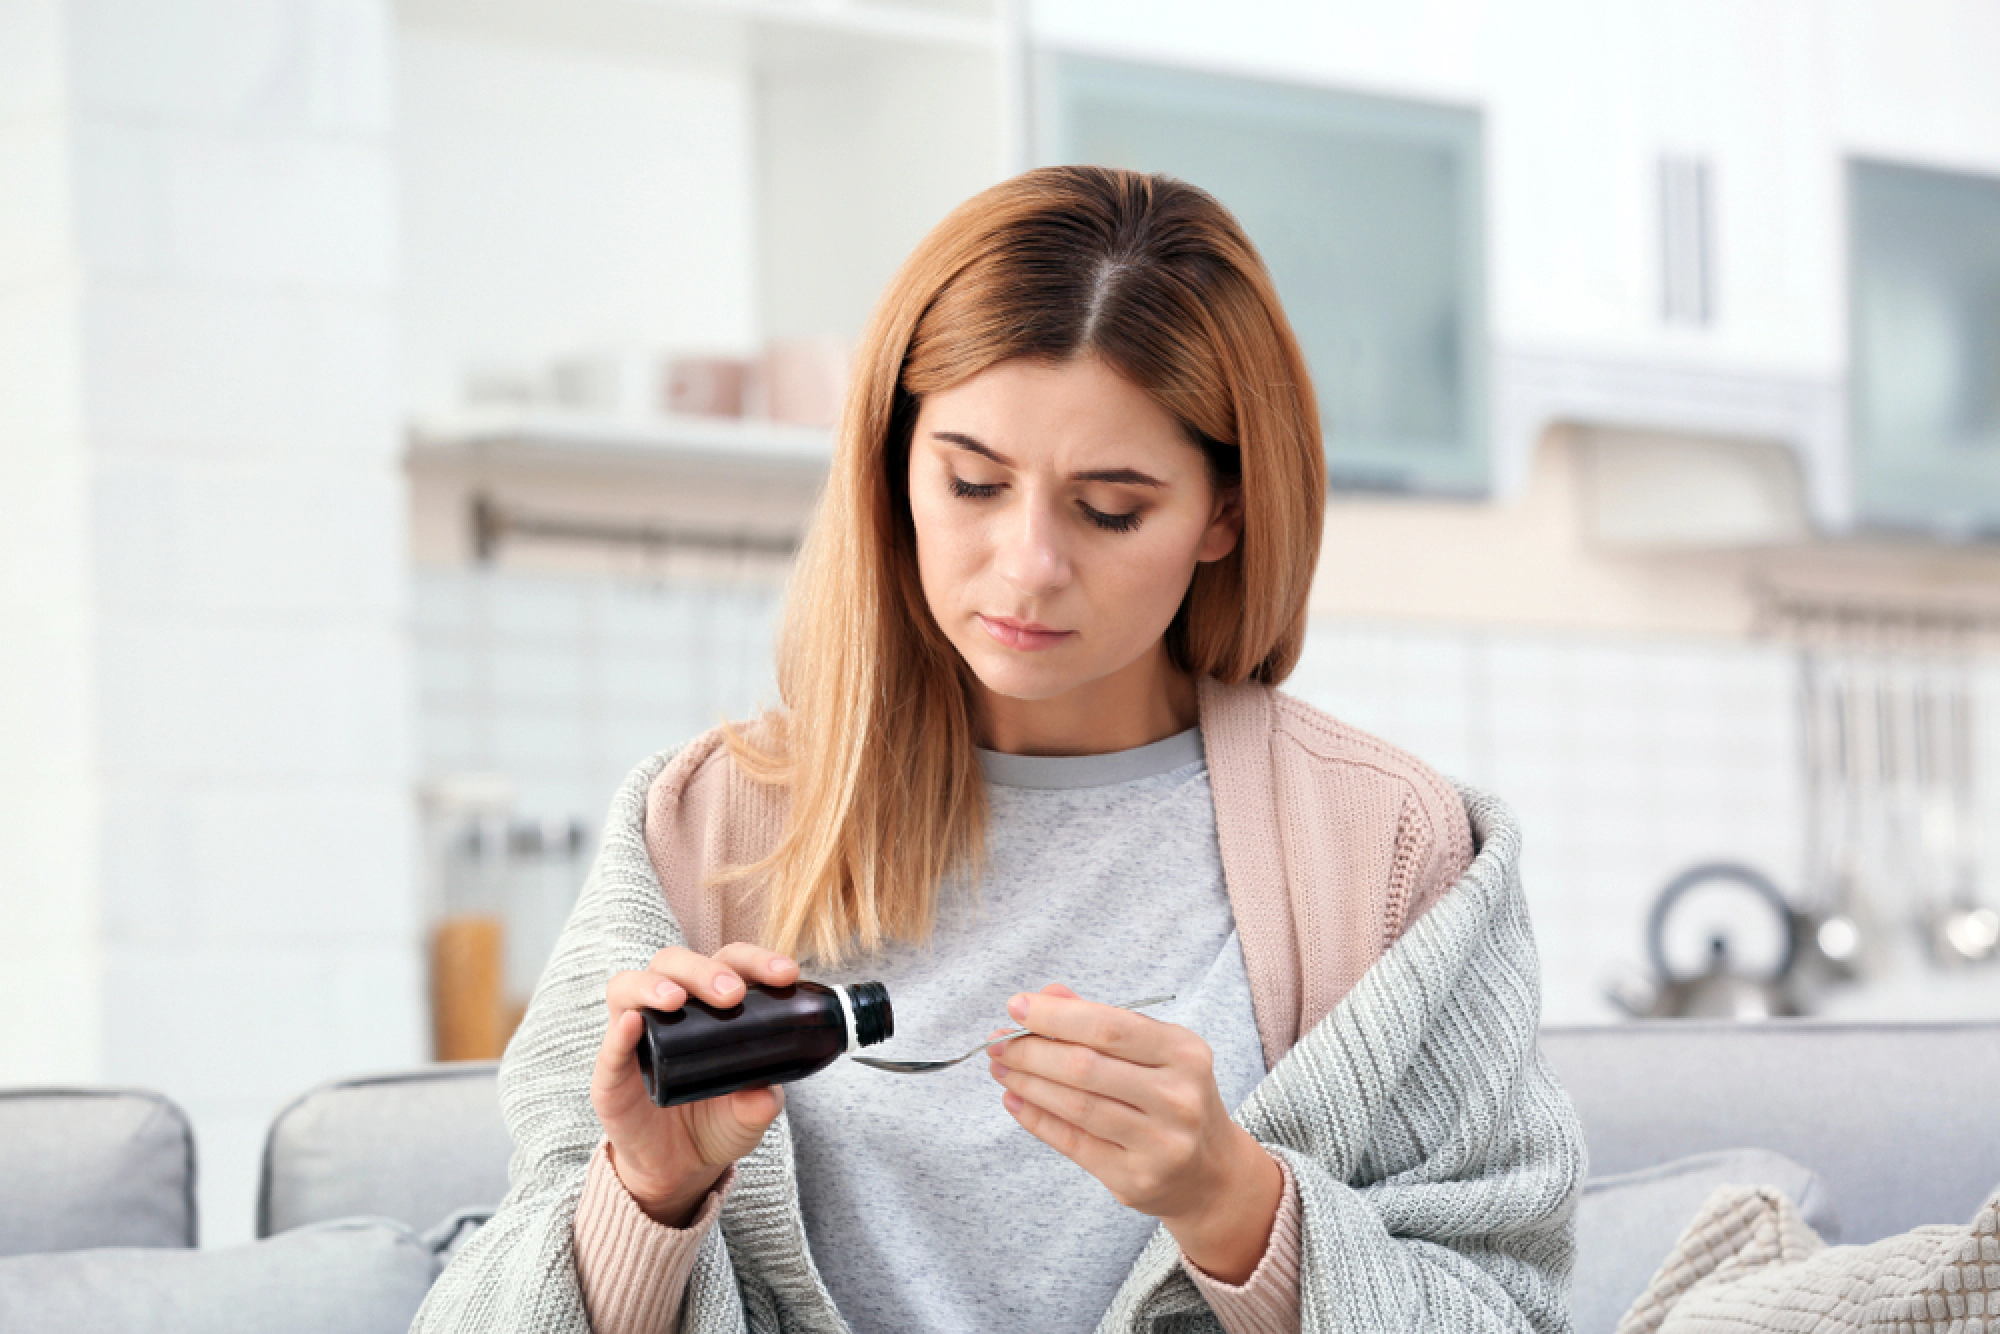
[(1435, 1158), (1267, 1302), (632, 1270), (1748, 1264), (1355, 816)]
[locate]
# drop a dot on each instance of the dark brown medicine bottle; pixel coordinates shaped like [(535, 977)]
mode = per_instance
[(776, 1035)]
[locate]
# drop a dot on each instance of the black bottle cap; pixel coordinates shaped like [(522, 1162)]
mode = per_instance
[(874, 1021)]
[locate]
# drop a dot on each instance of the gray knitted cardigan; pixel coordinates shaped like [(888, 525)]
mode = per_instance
[(1436, 1159)]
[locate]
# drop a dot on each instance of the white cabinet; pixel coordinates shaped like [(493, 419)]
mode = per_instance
[(1924, 309), (1468, 217), (1369, 214)]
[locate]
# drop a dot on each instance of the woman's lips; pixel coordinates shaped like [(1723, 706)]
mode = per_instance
[(1025, 635)]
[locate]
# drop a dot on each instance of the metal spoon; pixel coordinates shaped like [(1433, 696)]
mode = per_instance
[(931, 1067)]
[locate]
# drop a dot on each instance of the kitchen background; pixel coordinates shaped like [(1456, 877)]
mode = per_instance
[(407, 410)]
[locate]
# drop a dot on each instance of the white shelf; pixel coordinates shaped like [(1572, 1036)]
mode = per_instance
[(552, 437)]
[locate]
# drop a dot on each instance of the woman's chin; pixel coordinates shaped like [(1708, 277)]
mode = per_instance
[(1028, 682)]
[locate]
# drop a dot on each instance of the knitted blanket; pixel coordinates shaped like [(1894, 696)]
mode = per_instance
[(1437, 1160)]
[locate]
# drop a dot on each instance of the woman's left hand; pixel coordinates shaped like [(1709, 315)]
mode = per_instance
[(1133, 1102)]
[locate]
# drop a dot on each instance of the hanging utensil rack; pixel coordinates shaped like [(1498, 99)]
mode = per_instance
[(1888, 727)]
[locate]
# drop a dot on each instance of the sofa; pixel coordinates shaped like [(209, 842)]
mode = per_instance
[(369, 1185)]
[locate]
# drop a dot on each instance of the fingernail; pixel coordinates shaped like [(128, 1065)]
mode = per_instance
[(1012, 1101), (725, 985), (1018, 1007), (664, 990), (1000, 1071)]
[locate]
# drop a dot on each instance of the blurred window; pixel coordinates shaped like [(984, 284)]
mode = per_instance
[(1926, 347), (1368, 212)]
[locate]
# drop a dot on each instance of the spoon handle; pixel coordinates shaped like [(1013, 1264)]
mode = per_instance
[(1128, 1005)]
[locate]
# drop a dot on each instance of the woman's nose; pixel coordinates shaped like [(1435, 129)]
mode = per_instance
[(1030, 556)]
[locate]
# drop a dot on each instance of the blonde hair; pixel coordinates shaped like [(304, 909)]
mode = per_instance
[(875, 737)]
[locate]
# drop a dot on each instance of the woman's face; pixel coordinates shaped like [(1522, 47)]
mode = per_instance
[(1060, 514)]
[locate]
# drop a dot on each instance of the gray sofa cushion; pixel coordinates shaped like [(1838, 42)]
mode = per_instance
[(356, 1276), (1897, 1118), (94, 1167), (1627, 1223), (413, 1146)]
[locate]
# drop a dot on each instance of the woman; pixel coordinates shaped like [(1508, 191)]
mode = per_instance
[(1030, 735)]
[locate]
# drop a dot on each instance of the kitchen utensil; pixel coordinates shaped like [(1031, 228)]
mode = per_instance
[(932, 1067), (1720, 986)]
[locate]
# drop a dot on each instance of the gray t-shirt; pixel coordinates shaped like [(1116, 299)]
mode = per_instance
[(926, 1204)]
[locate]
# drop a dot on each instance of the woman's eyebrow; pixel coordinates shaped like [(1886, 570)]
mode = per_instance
[(1121, 476), (1116, 476), (967, 442)]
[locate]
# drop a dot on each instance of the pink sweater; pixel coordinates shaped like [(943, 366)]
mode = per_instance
[(1332, 843)]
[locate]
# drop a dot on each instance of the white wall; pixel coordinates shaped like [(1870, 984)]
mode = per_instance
[(216, 608), (562, 683), (50, 950), (555, 200), (861, 154)]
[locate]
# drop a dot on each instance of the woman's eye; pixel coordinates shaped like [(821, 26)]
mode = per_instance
[(974, 490), (1112, 523)]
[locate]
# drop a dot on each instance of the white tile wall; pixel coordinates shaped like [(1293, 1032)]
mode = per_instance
[(117, 179), (562, 683), (39, 407), (172, 531), (1627, 761), (309, 212), (49, 956), (275, 64), (31, 66), (34, 226), (42, 1043), (207, 832), (147, 884), (254, 700), (350, 843), (48, 825), (220, 370)]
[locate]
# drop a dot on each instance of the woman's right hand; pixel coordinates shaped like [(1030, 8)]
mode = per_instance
[(669, 1158)]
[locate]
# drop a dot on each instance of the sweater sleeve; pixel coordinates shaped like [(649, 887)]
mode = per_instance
[(520, 1272), (1433, 848), (634, 1270), (1268, 1301)]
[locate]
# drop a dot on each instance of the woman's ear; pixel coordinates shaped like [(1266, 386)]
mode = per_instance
[(1225, 525)]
